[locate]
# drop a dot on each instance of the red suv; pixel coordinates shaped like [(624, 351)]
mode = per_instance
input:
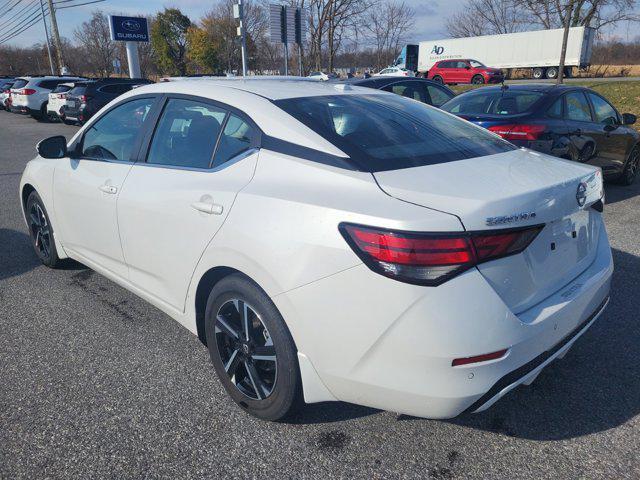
[(464, 71)]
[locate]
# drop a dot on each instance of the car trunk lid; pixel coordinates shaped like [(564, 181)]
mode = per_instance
[(508, 190)]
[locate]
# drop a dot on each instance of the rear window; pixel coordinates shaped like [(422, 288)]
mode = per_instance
[(494, 102), (78, 89), (61, 89), (20, 83), (387, 132)]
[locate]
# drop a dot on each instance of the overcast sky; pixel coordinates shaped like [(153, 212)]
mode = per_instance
[(430, 15)]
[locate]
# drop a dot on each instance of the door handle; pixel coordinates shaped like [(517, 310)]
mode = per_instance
[(208, 208), (110, 189)]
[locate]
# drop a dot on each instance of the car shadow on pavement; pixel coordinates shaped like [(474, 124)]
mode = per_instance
[(17, 255), (596, 387), (618, 193)]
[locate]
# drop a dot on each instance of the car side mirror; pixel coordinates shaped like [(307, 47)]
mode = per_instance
[(610, 127), (629, 119), (53, 147), (467, 67)]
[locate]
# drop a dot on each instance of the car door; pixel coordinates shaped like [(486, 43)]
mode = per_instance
[(613, 139), (582, 131), (87, 185), (464, 72), (176, 199)]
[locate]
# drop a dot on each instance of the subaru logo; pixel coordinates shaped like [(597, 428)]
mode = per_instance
[(131, 25), (437, 50), (581, 194)]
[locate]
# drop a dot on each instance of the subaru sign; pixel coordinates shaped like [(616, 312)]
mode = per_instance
[(128, 29)]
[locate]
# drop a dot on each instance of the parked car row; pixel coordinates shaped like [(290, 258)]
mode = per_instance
[(72, 100)]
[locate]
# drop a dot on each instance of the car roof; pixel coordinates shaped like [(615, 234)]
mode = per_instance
[(271, 88), (529, 87), (377, 82)]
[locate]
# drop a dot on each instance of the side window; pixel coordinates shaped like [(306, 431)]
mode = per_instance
[(439, 96), (113, 135), (411, 90), (604, 112), (186, 134), (461, 65), (237, 137), (555, 110), (444, 65), (577, 107)]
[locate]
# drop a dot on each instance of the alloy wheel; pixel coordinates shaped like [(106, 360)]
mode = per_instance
[(40, 230), (246, 349)]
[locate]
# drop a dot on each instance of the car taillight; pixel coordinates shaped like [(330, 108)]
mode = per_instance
[(6, 91), (432, 258), (27, 91), (518, 131), (85, 98)]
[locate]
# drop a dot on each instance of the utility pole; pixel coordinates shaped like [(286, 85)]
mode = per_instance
[(238, 12), (565, 38), (46, 34), (56, 37)]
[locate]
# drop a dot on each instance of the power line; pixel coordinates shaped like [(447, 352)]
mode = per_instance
[(24, 27), (12, 30), (10, 8), (77, 5), (21, 13)]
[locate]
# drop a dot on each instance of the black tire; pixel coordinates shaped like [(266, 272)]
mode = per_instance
[(252, 383), (477, 80), (538, 73), (630, 172), (41, 231), (438, 79), (552, 72)]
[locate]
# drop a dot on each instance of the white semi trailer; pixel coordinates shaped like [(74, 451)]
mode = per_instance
[(538, 51)]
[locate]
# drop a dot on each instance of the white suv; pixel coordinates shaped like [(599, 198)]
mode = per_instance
[(58, 99), (30, 95)]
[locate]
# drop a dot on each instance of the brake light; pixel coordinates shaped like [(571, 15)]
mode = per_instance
[(85, 98), (432, 258), (518, 131), (27, 91), (7, 91)]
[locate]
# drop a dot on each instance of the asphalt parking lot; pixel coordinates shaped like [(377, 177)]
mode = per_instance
[(95, 383)]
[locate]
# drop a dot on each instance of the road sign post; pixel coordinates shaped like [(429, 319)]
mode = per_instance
[(130, 30), (285, 26)]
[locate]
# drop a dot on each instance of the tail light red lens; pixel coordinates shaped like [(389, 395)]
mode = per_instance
[(85, 98), (27, 91), (479, 358), (432, 258), (519, 132)]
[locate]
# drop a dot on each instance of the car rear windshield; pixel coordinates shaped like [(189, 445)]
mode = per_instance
[(389, 132), (78, 89), (61, 89), (493, 102), (21, 82)]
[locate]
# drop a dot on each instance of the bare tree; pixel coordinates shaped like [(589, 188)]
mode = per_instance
[(486, 17), (95, 40), (387, 27)]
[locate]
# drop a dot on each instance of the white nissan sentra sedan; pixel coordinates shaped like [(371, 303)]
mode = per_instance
[(328, 242)]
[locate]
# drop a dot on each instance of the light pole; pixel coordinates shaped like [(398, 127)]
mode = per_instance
[(238, 12)]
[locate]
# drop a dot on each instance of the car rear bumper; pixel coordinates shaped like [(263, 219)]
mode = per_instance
[(389, 345)]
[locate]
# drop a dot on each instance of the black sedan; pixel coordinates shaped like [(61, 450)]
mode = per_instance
[(421, 89), (570, 122)]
